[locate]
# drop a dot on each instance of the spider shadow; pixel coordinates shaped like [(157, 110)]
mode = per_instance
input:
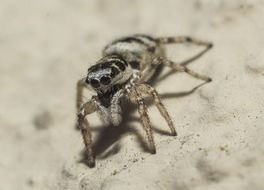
[(107, 142)]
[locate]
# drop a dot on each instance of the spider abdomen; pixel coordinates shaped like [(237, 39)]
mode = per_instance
[(138, 50)]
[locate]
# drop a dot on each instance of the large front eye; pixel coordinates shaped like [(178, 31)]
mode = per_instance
[(105, 80), (87, 81), (94, 83)]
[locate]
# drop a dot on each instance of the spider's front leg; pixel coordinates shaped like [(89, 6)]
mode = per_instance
[(83, 124), (79, 93), (147, 89), (135, 97)]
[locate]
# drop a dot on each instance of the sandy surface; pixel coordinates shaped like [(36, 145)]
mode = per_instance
[(46, 46)]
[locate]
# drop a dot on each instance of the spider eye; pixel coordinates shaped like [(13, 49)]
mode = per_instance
[(105, 80), (87, 81), (94, 83)]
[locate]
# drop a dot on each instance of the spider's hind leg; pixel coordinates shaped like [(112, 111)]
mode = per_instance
[(187, 39), (147, 89), (181, 68)]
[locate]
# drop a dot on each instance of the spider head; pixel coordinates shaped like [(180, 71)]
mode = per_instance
[(108, 73), (100, 80)]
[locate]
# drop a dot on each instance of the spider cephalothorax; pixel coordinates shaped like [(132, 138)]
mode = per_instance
[(107, 76), (123, 72)]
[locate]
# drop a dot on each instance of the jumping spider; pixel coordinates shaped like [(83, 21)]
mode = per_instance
[(124, 72)]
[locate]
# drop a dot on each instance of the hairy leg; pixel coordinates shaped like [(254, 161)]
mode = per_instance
[(186, 39), (182, 68), (79, 94), (83, 124), (142, 110), (147, 89), (150, 71)]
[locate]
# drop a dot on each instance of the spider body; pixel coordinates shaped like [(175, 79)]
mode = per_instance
[(121, 64), (127, 65), (138, 50)]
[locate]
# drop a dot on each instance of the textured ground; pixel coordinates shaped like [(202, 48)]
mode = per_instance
[(47, 45)]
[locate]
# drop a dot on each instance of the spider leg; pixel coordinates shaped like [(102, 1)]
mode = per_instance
[(79, 95), (182, 68), (186, 39), (148, 72), (142, 110), (147, 89), (83, 124)]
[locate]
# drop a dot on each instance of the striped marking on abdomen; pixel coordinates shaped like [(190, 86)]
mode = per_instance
[(147, 41)]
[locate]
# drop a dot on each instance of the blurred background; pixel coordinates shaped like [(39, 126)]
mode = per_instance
[(46, 46)]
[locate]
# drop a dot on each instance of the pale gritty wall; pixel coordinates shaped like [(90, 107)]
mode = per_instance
[(46, 46)]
